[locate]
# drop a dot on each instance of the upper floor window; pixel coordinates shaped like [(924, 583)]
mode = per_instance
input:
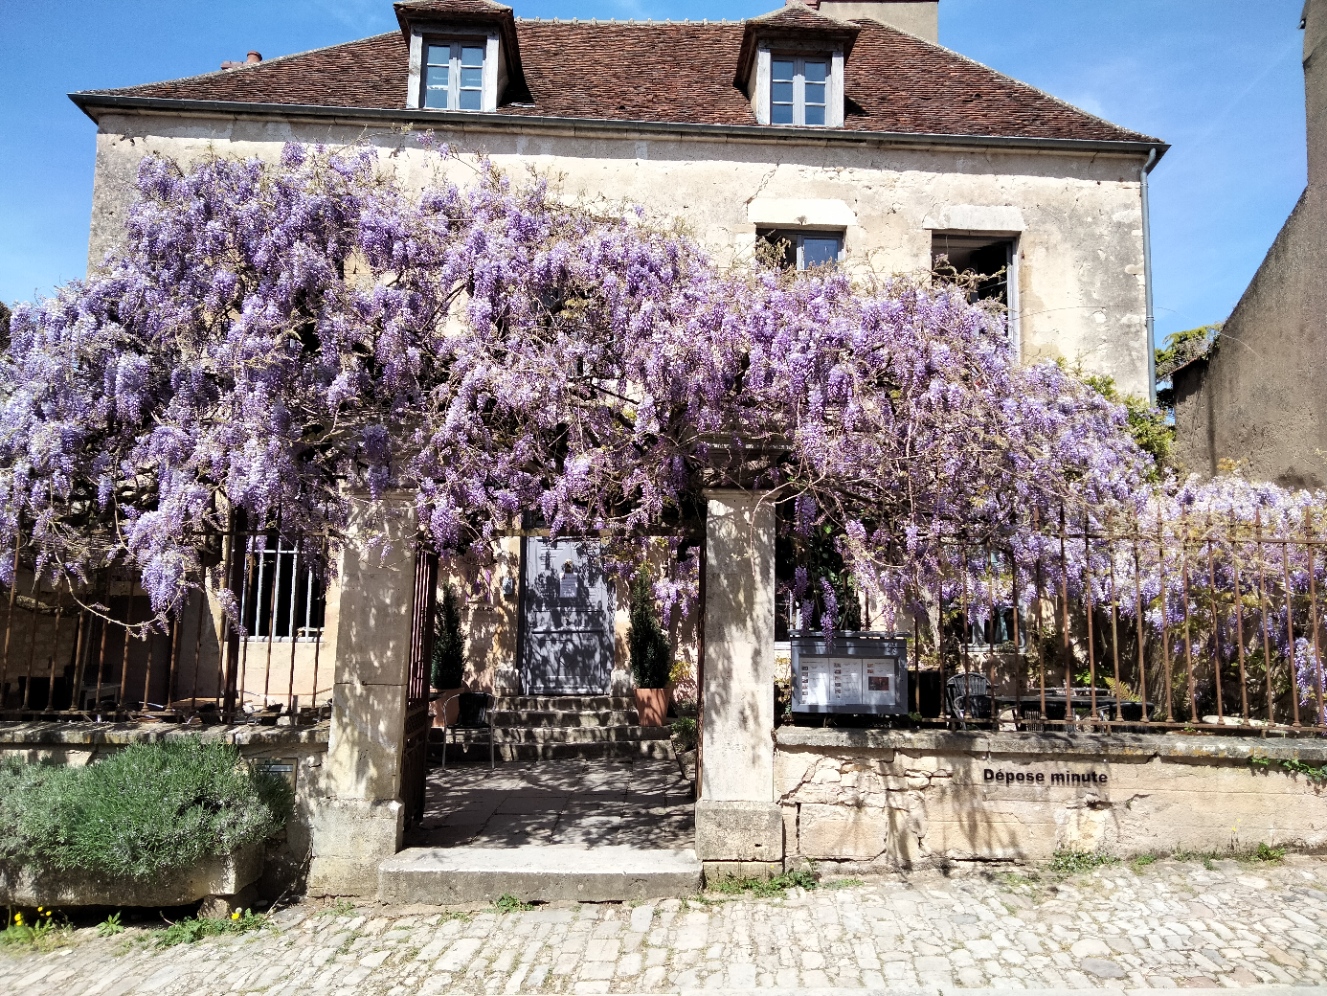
[(987, 260), (454, 75), (801, 250), (799, 90)]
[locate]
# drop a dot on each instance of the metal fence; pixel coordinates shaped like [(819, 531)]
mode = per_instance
[(1207, 623), (88, 653)]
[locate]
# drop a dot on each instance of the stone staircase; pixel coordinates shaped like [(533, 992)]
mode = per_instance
[(542, 727)]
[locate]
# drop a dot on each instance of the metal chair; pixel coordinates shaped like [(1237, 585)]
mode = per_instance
[(474, 712), (968, 696)]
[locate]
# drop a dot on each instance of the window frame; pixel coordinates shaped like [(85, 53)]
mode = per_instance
[(455, 64), (798, 236), (799, 104), (1013, 271), (261, 594)]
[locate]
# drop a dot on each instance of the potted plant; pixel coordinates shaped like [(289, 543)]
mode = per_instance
[(651, 656), (447, 672)]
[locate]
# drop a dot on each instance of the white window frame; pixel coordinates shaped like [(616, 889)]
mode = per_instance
[(762, 83), (493, 78), (797, 237), (799, 103), (286, 567)]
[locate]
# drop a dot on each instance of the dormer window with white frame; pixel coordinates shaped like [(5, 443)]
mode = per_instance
[(799, 90), (453, 75)]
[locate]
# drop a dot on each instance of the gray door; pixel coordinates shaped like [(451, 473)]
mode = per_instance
[(567, 619)]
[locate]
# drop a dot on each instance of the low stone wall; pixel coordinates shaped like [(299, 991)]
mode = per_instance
[(296, 753), (877, 799)]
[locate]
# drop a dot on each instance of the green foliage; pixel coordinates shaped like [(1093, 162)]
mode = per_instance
[(765, 888), (507, 903), (196, 928), (1272, 855), (5, 314), (41, 933), (1142, 861), (1078, 862), (448, 664), (1292, 765), (685, 733), (1147, 423), (147, 809), (1181, 347), (647, 643), (110, 926)]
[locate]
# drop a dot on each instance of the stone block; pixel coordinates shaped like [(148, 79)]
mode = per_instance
[(719, 871), (739, 831), (367, 740), (842, 832), (350, 839)]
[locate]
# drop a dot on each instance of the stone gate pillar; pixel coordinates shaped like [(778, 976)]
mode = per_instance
[(357, 815), (737, 817)]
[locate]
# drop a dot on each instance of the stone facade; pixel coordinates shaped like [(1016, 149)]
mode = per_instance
[(1256, 403), (882, 799)]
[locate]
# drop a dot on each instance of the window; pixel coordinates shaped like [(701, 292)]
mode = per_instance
[(282, 596), (798, 90), (802, 250), (454, 75), (990, 258)]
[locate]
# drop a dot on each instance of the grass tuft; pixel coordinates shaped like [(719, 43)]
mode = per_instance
[(507, 903), (196, 928), (1079, 862), (765, 888)]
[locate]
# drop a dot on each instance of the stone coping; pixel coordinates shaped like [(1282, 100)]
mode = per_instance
[(1121, 746), (26, 734)]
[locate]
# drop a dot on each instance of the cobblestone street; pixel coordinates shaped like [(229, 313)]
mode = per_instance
[(1171, 923)]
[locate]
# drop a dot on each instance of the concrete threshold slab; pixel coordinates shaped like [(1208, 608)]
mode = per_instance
[(544, 873)]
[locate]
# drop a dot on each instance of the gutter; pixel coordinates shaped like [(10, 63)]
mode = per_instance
[(1152, 159), (91, 102)]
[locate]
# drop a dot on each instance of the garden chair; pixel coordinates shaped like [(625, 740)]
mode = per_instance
[(968, 696), (474, 714)]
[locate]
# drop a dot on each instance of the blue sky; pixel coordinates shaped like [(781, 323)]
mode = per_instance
[(1218, 79)]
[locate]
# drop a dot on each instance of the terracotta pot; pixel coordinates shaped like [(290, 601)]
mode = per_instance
[(652, 706), (452, 707)]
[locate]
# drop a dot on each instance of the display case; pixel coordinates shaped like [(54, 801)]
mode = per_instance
[(850, 673)]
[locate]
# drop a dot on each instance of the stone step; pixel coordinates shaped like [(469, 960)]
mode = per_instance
[(566, 703), (466, 751), (558, 717), (537, 873), (558, 734)]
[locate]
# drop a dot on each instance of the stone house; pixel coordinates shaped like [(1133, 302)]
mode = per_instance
[(842, 130), (1256, 402)]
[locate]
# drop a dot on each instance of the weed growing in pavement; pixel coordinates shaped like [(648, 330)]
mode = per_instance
[(1142, 861), (841, 883), (1078, 862), (110, 926), (195, 928), (1272, 855), (507, 903), (42, 933), (342, 907), (765, 888)]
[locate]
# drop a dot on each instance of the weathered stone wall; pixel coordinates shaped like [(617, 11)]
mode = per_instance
[(296, 753), (884, 799), (1077, 217)]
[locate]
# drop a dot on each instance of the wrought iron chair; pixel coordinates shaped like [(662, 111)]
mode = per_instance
[(968, 696), (474, 713)]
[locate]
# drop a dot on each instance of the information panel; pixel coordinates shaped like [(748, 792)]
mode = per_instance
[(850, 674)]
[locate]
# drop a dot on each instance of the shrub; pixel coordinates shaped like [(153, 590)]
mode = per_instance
[(685, 733), (651, 656), (147, 809), (448, 664)]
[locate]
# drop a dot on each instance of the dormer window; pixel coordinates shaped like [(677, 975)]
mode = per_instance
[(454, 75), (799, 90)]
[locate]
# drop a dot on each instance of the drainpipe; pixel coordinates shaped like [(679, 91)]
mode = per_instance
[(1147, 278)]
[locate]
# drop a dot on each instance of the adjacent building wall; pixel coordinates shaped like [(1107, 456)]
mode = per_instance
[(1077, 217), (1258, 403)]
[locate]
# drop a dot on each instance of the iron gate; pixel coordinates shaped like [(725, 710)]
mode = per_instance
[(566, 619), (418, 717)]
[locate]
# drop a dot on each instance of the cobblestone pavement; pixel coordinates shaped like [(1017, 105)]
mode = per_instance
[(1165, 925), (640, 801)]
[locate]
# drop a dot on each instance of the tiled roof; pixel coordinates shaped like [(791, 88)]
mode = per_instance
[(668, 72)]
